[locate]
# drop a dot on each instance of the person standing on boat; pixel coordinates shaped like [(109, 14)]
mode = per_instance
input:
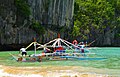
[(75, 42), (82, 47), (23, 50)]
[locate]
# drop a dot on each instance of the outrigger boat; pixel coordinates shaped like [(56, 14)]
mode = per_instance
[(57, 49)]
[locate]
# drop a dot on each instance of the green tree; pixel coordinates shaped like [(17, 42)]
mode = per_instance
[(23, 7), (37, 27), (93, 17)]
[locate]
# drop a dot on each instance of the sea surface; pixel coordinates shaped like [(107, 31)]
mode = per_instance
[(112, 55), (108, 66), (111, 63)]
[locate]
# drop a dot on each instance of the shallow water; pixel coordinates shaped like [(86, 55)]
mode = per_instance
[(110, 66), (65, 71), (111, 63), (111, 53)]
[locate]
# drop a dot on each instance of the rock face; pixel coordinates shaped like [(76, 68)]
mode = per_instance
[(50, 13), (106, 39)]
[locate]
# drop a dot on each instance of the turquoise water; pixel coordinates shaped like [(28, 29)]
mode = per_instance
[(112, 61), (110, 65), (111, 53)]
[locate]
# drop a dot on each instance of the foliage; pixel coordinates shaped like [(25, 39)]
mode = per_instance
[(23, 7), (93, 17), (37, 27), (76, 29)]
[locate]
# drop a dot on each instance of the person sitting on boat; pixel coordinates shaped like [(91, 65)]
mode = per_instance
[(23, 50), (47, 50)]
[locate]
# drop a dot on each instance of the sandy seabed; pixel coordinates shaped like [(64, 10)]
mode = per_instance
[(55, 71)]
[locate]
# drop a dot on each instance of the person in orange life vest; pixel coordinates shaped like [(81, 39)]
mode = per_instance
[(75, 42)]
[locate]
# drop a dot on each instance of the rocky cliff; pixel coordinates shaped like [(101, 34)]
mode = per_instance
[(55, 16), (52, 12), (15, 30)]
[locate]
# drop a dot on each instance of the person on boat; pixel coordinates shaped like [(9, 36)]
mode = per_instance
[(23, 50), (75, 42), (86, 44), (47, 50), (82, 47)]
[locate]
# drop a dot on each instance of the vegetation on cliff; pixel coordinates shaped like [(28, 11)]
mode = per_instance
[(22, 20), (94, 18), (23, 7)]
